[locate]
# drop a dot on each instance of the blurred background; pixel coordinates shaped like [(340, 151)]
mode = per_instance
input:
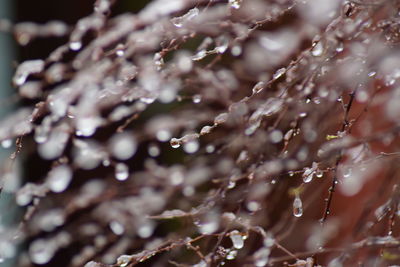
[(11, 54)]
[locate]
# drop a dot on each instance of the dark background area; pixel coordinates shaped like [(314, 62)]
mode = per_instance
[(69, 11)]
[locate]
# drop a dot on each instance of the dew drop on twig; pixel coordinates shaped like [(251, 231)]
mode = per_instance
[(297, 207), (279, 73), (237, 239), (179, 21), (175, 143), (317, 50)]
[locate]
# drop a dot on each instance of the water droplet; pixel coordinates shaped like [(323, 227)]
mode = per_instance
[(145, 230), (303, 114), (121, 171), (179, 21), (237, 239), (231, 184), (23, 198), (258, 87), (175, 142), (86, 126), (223, 44), (41, 134), (279, 73), (106, 162), (308, 178), (26, 68), (191, 147), (372, 74), (7, 143), (235, 3), (236, 50), (317, 50), (308, 174), (297, 207), (221, 118), (347, 172), (123, 146), (117, 227), (253, 206), (276, 136), (188, 191), (319, 173), (120, 52), (205, 130), (262, 257), (210, 148), (231, 255), (59, 178), (41, 251), (196, 99), (163, 135), (153, 150), (199, 55), (75, 46), (148, 100), (124, 260), (340, 47)]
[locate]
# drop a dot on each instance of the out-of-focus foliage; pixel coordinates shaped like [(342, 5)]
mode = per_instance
[(209, 133)]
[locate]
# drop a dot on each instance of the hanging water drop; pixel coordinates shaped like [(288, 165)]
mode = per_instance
[(75, 46), (121, 171), (175, 142), (231, 255), (340, 47), (235, 4), (223, 44), (237, 239), (297, 207), (41, 134), (196, 99), (308, 175), (231, 184)]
